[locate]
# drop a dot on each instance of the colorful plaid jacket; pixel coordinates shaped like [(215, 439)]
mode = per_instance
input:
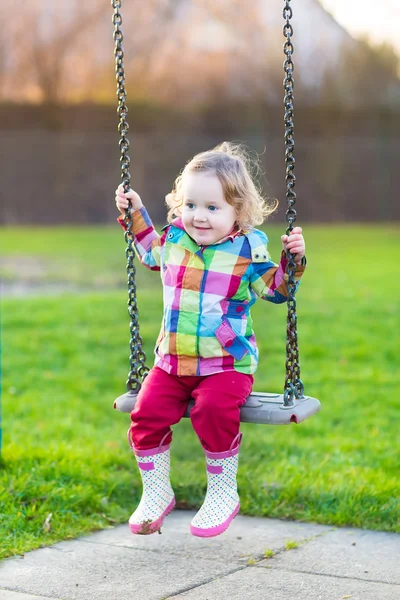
[(208, 294)]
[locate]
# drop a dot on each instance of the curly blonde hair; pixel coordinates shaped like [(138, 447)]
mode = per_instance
[(237, 171)]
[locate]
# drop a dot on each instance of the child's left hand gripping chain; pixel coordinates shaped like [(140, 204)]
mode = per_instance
[(122, 199), (295, 243)]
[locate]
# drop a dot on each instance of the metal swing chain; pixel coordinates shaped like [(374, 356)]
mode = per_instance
[(137, 357), (293, 385)]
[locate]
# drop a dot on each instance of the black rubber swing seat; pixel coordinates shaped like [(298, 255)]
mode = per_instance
[(259, 408)]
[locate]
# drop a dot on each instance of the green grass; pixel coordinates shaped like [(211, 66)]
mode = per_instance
[(65, 359)]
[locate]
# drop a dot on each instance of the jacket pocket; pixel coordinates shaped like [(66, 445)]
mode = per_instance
[(230, 341)]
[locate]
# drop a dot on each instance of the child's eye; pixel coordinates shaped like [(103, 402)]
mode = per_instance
[(189, 205), (212, 208)]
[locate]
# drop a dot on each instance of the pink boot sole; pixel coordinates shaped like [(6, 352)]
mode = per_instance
[(149, 527), (213, 531)]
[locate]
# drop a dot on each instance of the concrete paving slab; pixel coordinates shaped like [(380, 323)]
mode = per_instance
[(355, 553), (246, 537), (272, 584), (329, 564), (155, 566), (9, 595), (79, 570)]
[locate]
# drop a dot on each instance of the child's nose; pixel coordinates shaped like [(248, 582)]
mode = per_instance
[(200, 215)]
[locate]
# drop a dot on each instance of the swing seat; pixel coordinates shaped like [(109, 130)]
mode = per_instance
[(259, 408)]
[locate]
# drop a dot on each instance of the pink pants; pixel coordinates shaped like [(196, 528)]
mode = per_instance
[(215, 417)]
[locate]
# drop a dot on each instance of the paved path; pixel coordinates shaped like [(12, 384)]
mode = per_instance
[(327, 564)]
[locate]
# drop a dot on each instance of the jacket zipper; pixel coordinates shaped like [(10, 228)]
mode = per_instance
[(200, 308)]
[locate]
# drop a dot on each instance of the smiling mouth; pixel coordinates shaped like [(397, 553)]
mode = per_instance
[(202, 228)]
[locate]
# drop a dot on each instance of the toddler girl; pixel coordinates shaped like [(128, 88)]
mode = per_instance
[(213, 264)]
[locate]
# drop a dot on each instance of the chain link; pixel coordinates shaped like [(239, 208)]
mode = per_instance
[(293, 385), (137, 357), (138, 370)]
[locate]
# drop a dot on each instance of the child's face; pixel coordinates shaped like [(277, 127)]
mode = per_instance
[(207, 217)]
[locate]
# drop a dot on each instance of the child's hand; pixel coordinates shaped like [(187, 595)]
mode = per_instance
[(295, 243), (121, 199)]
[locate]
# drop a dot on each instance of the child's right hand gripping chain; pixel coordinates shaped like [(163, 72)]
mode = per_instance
[(295, 244), (121, 199)]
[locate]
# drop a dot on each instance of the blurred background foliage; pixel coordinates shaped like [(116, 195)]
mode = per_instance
[(197, 72)]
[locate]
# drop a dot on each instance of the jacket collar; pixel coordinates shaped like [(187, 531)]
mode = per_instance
[(236, 232)]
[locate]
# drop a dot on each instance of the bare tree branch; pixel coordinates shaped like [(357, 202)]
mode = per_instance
[(42, 56)]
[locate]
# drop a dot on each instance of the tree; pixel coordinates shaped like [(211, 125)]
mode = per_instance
[(63, 50), (44, 40), (366, 75)]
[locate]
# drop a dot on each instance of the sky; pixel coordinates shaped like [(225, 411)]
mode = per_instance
[(380, 19)]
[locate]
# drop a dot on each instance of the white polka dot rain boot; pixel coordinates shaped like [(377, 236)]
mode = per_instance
[(158, 498), (221, 504)]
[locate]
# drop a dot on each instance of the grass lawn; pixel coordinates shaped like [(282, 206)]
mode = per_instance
[(66, 466)]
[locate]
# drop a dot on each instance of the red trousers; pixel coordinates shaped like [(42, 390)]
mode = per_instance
[(215, 417)]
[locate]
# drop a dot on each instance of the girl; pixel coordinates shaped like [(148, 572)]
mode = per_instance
[(213, 265)]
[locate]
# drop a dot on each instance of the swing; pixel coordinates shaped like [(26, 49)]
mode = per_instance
[(274, 409)]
